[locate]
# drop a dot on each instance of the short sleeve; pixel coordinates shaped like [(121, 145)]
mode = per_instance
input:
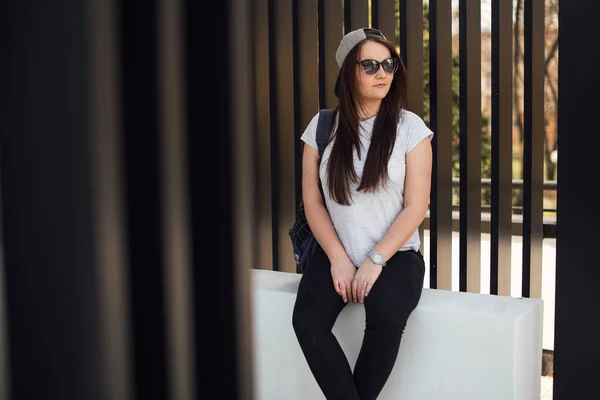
[(310, 133), (416, 131)]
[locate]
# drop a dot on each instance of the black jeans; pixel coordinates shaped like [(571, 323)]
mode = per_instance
[(393, 297)]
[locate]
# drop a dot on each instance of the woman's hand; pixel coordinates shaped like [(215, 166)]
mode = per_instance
[(342, 273), (364, 279)]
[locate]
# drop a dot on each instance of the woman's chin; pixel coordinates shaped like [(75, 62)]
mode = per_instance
[(379, 95)]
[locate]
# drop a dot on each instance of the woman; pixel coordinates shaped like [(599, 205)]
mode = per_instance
[(376, 175)]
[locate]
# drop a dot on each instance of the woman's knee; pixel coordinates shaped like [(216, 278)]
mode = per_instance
[(305, 317), (311, 314), (389, 312), (300, 319)]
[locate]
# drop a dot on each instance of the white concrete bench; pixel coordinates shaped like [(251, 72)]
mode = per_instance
[(456, 345)]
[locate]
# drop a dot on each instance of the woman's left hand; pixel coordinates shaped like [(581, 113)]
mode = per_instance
[(365, 278)]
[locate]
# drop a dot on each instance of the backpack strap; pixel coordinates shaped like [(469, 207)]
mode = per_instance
[(326, 117)]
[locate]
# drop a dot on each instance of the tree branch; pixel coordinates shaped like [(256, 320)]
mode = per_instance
[(551, 53)]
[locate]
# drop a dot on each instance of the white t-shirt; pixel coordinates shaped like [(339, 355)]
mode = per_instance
[(362, 224)]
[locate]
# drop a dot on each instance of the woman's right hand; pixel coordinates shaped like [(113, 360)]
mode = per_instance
[(342, 273)]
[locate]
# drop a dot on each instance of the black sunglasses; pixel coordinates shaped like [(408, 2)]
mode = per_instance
[(370, 67)]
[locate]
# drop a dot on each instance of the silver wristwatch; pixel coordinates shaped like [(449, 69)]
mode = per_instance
[(377, 258)]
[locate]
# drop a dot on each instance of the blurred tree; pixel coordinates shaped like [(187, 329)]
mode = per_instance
[(486, 153)]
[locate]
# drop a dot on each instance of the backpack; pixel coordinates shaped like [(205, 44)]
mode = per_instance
[(304, 243)]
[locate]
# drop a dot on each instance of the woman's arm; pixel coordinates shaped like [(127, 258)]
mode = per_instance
[(342, 269), (314, 207)]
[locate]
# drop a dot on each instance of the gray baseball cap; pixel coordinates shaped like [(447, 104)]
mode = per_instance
[(348, 42)]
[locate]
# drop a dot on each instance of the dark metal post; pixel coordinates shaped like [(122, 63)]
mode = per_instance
[(501, 213), (533, 147), (470, 145), (64, 257), (576, 344), (440, 65), (221, 179)]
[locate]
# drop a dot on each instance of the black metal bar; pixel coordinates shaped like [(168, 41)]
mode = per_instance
[(403, 31), (440, 67), (284, 108), (413, 12), (218, 265), (433, 124), (262, 63), (115, 317), (177, 253), (470, 145), (308, 77), (533, 146), (4, 345), (244, 222), (60, 211), (296, 88), (347, 16), (274, 138), (576, 345), (384, 18), (332, 32), (411, 39), (140, 91), (321, 46), (375, 15), (501, 218), (359, 14)]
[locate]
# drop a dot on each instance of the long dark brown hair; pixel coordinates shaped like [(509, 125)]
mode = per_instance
[(340, 168)]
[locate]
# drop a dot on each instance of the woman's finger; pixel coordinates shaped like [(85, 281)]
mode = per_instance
[(362, 290), (346, 290), (350, 294), (354, 290), (343, 291), (368, 287)]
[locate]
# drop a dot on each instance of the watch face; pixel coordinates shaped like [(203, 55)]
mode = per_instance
[(377, 258)]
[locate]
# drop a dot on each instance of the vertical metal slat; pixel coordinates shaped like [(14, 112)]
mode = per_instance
[(384, 18), (112, 251), (440, 53), (411, 15), (501, 218), (576, 346), (331, 33), (470, 145), (308, 74), (359, 15), (243, 192), (140, 93), (63, 259), (177, 273), (533, 147), (262, 110), (284, 108)]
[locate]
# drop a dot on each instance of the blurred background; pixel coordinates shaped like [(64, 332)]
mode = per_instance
[(149, 160)]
